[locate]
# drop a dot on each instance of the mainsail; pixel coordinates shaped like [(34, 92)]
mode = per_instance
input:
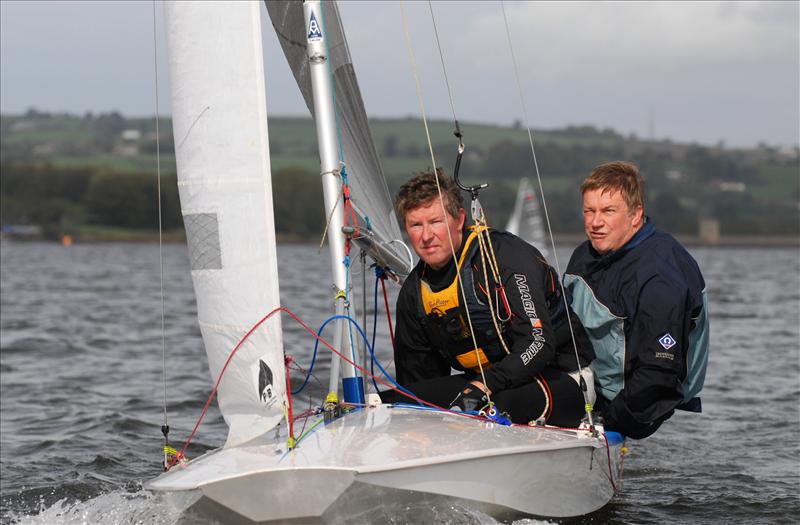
[(369, 193), (526, 220), (222, 152)]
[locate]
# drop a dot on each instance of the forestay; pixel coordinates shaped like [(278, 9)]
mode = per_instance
[(369, 192), (222, 153)]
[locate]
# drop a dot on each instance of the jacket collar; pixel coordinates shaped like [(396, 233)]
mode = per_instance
[(604, 260)]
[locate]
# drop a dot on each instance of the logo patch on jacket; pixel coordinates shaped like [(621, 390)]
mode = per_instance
[(667, 341)]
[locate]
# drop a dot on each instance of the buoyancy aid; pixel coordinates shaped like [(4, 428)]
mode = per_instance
[(444, 317)]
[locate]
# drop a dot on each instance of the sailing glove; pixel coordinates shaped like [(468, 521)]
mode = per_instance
[(471, 399)]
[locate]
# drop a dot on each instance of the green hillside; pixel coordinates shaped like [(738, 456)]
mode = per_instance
[(59, 169)]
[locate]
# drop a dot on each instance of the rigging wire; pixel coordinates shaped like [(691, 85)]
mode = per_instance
[(441, 59), (546, 214), (414, 73), (481, 225), (165, 427)]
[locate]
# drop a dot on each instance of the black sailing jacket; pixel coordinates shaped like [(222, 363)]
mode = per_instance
[(524, 273)]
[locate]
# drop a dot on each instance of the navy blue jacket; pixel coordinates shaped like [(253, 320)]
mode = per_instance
[(644, 309)]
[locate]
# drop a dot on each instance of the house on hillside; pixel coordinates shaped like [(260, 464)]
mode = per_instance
[(129, 142)]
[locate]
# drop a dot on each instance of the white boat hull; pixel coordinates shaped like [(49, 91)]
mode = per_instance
[(538, 471)]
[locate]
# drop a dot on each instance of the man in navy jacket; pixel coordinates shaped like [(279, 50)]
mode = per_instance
[(642, 301)]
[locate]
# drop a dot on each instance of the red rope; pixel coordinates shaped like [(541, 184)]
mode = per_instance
[(608, 455), (505, 299), (388, 311), (182, 452), (349, 216)]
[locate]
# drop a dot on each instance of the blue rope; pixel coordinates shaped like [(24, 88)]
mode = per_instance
[(372, 353), (313, 360), (366, 341)]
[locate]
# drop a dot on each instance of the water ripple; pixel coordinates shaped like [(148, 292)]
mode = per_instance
[(82, 391)]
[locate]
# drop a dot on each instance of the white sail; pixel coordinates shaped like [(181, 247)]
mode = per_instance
[(222, 152), (526, 220)]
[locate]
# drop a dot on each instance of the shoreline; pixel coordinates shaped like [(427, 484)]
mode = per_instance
[(724, 241), (561, 239)]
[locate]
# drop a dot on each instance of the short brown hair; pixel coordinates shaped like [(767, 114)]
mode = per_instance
[(422, 189), (620, 176)]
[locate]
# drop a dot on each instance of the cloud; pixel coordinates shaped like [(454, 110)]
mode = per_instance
[(710, 71), (567, 40)]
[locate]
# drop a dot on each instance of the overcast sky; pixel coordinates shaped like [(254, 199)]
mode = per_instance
[(704, 71)]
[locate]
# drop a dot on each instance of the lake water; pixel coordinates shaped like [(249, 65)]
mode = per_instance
[(82, 390)]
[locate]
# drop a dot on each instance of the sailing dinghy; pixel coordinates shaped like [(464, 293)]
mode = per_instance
[(221, 137), (525, 220)]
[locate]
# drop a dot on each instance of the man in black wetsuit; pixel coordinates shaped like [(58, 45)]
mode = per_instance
[(497, 332)]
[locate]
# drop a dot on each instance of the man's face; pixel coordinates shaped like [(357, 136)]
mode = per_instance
[(427, 228), (608, 222)]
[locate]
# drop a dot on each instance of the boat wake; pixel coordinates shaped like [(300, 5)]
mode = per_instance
[(119, 507), (363, 504)]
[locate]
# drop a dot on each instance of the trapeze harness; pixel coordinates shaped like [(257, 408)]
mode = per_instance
[(444, 318)]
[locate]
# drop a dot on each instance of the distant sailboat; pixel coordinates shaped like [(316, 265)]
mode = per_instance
[(526, 220), (220, 128)]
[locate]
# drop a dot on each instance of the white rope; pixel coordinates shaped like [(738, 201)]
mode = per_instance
[(544, 203), (436, 177)]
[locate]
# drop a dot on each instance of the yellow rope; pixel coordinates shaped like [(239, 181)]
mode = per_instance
[(484, 229)]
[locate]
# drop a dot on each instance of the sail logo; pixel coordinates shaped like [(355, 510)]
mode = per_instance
[(314, 31), (266, 390)]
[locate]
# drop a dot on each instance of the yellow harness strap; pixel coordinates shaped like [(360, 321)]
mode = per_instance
[(440, 302)]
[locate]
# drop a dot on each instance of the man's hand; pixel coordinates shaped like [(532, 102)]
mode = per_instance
[(470, 399)]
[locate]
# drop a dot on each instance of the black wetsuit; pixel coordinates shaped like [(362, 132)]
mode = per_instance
[(532, 291)]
